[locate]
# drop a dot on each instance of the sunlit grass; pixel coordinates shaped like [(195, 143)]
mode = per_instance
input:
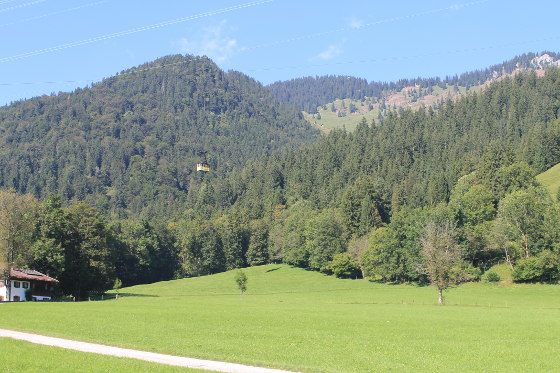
[(551, 180), (329, 120), (24, 357)]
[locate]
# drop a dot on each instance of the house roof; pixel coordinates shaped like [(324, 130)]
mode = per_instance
[(30, 275)]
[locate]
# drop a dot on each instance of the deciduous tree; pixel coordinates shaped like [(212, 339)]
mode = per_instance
[(17, 215), (241, 281), (440, 253)]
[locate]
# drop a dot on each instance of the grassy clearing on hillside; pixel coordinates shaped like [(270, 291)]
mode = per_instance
[(330, 120), (24, 357), (504, 271), (300, 320), (551, 180)]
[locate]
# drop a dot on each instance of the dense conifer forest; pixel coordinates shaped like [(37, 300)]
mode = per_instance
[(129, 144), (111, 190)]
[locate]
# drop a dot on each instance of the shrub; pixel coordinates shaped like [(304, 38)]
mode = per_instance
[(544, 267), (491, 276), (527, 270), (343, 265), (464, 272)]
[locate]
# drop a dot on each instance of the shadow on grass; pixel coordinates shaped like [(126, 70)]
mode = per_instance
[(113, 296), (136, 295), (273, 269)]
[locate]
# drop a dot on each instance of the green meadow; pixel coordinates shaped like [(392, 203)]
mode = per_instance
[(551, 180), (330, 120), (300, 320), (25, 357)]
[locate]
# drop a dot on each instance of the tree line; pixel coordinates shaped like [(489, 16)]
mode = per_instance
[(78, 246)]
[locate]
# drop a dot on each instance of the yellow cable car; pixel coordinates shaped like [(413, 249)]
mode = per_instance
[(203, 166)]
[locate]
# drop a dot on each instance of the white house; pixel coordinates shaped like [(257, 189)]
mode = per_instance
[(39, 286)]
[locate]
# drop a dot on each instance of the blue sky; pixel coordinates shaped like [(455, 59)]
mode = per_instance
[(58, 45)]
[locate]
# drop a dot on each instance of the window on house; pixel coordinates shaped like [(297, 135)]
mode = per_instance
[(16, 284), (25, 285)]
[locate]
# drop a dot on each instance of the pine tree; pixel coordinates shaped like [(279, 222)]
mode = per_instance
[(258, 253)]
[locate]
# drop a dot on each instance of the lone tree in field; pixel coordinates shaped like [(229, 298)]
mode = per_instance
[(117, 286), (440, 253), (241, 280)]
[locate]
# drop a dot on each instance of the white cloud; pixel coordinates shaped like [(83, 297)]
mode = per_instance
[(331, 52), (211, 43), (356, 23)]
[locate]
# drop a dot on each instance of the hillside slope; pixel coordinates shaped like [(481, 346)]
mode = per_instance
[(331, 102), (416, 157), (129, 144), (310, 92), (551, 180)]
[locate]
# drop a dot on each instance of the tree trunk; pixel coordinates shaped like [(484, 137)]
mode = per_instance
[(7, 280), (508, 259), (7, 284), (440, 297)]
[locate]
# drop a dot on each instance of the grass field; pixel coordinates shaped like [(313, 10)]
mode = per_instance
[(300, 320), (551, 179), (25, 357)]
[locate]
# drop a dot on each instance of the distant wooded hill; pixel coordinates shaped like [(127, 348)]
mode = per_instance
[(311, 92), (129, 144)]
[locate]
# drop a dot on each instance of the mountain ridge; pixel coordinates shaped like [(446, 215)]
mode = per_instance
[(346, 112), (319, 90)]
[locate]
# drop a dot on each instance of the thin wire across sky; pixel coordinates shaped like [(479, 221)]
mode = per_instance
[(130, 32), (242, 50)]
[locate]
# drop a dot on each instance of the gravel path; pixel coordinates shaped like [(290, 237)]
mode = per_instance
[(216, 366)]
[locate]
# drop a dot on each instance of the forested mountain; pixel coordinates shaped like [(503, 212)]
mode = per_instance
[(129, 144), (310, 92), (415, 157), (348, 203)]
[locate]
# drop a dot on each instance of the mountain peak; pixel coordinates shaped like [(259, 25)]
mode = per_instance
[(544, 61)]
